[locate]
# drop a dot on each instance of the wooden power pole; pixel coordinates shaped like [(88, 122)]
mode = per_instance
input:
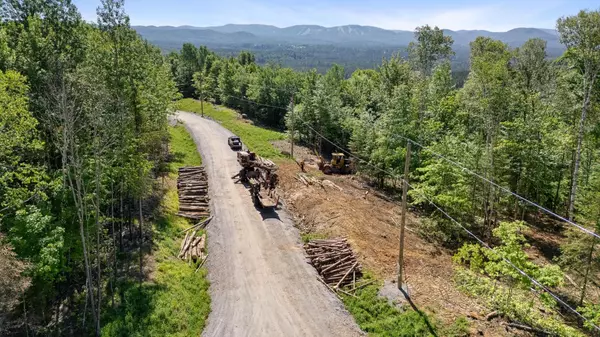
[(403, 216), (202, 105), (292, 133)]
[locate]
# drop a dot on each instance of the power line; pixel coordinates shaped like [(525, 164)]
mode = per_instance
[(533, 280), (480, 241), (506, 190), (465, 169)]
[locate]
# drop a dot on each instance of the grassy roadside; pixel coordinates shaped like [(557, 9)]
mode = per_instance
[(374, 314), (175, 301), (256, 139)]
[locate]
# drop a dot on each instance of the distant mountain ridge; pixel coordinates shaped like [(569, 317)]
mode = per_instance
[(339, 35), (316, 47)]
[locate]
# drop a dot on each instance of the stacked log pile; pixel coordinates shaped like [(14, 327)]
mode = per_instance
[(193, 247), (192, 188), (335, 262)]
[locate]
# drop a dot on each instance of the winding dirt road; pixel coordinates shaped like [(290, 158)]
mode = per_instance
[(261, 284)]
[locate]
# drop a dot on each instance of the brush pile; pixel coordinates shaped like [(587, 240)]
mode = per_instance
[(334, 261), (192, 188)]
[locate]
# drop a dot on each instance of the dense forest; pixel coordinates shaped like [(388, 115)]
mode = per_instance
[(83, 114), (84, 117), (521, 122)]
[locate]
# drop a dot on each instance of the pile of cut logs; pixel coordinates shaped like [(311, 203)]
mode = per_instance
[(335, 262), (193, 247), (192, 187)]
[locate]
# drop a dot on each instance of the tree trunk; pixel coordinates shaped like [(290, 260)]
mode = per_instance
[(141, 220), (587, 271), (577, 159), (560, 177), (98, 256), (114, 239), (121, 219), (76, 187)]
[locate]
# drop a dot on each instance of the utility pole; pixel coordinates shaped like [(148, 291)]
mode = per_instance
[(293, 122), (403, 216), (202, 104)]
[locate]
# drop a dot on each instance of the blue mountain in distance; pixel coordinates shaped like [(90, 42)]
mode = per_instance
[(313, 46), (343, 35)]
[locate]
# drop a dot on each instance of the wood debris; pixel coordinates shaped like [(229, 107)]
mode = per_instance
[(335, 262), (331, 184), (308, 180), (193, 247), (192, 188)]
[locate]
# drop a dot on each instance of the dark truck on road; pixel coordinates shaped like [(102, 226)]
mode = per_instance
[(235, 143)]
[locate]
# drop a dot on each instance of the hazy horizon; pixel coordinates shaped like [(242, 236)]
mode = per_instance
[(283, 27), (496, 16)]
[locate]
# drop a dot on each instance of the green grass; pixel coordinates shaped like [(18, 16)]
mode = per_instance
[(176, 302), (376, 316), (306, 237), (257, 139), (183, 148)]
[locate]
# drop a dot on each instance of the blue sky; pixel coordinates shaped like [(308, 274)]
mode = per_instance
[(500, 15)]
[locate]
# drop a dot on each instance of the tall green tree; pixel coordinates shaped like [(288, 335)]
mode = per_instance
[(581, 34), (430, 47)]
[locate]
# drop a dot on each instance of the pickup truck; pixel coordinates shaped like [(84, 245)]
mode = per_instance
[(235, 143)]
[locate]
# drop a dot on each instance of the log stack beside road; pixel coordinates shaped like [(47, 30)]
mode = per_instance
[(192, 188), (193, 247), (335, 262)]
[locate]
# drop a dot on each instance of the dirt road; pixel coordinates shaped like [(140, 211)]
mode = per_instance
[(261, 284)]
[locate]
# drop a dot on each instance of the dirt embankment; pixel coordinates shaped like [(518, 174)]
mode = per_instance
[(370, 223)]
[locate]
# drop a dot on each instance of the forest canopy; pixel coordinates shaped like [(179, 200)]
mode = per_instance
[(84, 113), (521, 123)]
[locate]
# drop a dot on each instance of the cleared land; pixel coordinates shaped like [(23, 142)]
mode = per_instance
[(261, 284)]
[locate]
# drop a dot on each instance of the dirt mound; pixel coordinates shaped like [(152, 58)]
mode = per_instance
[(369, 222)]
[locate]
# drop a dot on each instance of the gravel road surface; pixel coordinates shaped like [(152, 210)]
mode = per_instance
[(261, 284)]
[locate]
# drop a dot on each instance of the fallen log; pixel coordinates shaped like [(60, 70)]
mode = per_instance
[(188, 240), (201, 263), (200, 224), (196, 192), (194, 198), (192, 182), (193, 209), (528, 328), (329, 287), (191, 169), (335, 264), (193, 203), (187, 235), (491, 315), (193, 216), (362, 285)]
